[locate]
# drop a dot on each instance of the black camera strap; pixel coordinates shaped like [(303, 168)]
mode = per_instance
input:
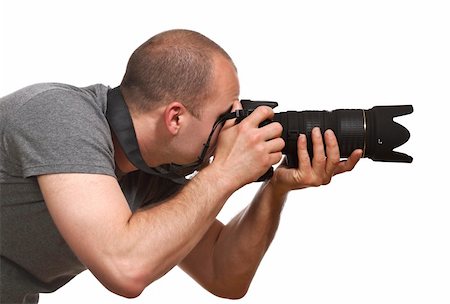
[(121, 124)]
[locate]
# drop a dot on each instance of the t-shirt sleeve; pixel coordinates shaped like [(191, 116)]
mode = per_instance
[(60, 131)]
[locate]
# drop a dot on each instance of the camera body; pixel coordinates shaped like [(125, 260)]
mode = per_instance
[(374, 130)]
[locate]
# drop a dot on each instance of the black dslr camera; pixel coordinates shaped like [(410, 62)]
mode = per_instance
[(373, 131)]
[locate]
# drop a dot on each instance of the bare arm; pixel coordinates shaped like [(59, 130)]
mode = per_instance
[(227, 258), (126, 251), (233, 252)]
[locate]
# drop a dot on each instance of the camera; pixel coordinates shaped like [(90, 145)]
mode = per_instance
[(374, 130)]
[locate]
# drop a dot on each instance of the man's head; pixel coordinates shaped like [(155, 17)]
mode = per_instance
[(173, 65), (176, 86)]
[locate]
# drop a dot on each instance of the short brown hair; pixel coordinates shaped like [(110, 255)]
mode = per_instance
[(173, 65)]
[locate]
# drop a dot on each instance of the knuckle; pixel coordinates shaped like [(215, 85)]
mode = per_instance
[(334, 162), (326, 180), (266, 111), (282, 143), (304, 156), (320, 159), (278, 157), (332, 144), (259, 148), (278, 127), (256, 137), (243, 125)]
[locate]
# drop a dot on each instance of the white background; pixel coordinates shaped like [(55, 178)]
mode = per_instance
[(380, 234)]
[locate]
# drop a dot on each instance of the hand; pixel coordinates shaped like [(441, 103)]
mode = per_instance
[(244, 151), (321, 169)]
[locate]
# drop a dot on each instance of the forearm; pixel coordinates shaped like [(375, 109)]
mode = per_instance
[(156, 239), (243, 242)]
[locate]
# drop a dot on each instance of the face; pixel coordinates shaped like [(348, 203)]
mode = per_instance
[(226, 92)]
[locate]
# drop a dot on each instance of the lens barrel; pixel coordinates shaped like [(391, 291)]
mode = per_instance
[(373, 131)]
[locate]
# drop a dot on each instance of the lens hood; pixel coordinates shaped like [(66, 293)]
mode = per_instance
[(384, 134)]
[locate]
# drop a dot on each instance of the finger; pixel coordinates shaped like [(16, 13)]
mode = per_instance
[(259, 115), (333, 155), (318, 150), (275, 145), (236, 106), (272, 130), (303, 157), (350, 163), (275, 158)]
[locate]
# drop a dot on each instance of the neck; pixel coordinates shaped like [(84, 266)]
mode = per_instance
[(122, 162), (151, 139)]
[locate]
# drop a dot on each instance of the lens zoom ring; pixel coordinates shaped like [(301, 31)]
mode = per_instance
[(349, 130)]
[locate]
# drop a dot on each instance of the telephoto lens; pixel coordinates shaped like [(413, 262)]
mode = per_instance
[(374, 130)]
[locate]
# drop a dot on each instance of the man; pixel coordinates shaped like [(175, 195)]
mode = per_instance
[(73, 197)]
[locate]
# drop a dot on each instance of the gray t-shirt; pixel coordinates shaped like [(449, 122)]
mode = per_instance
[(44, 129)]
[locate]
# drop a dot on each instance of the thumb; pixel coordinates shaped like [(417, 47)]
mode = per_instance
[(236, 106)]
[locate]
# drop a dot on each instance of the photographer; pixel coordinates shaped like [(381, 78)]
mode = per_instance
[(71, 199)]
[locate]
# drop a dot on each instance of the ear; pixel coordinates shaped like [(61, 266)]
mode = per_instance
[(174, 114)]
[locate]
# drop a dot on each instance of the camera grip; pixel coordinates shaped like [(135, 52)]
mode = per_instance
[(248, 107)]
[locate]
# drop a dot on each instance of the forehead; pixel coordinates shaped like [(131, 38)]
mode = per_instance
[(225, 83)]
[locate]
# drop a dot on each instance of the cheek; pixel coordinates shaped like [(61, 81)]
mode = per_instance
[(215, 136), (196, 145), (196, 140)]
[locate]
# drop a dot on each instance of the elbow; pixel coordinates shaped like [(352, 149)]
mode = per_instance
[(232, 295), (125, 280), (231, 292), (128, 290), (126, 275), (238, 293), (125, 286), (235, 296)]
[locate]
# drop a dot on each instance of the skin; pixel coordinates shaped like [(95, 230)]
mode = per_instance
[(127, 252)]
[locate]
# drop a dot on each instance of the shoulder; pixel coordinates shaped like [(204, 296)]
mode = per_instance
[(57, 128), (68, 96), (53, 99), (41, 90), (42, 111)]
